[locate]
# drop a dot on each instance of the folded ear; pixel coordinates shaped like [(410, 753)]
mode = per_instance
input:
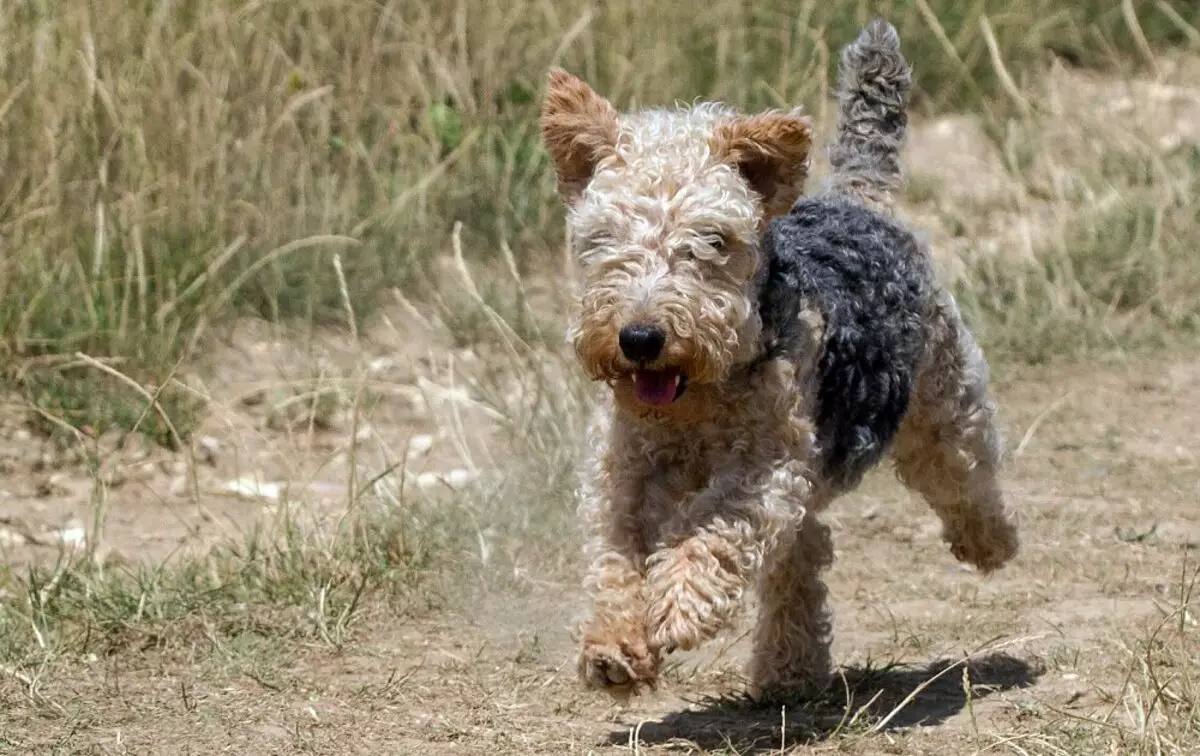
[(579, 128), (771, 151)]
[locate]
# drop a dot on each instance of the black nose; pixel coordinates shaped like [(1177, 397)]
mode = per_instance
[(642, 343)]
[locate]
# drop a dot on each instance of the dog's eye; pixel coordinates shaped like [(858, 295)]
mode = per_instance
[(706, 245)]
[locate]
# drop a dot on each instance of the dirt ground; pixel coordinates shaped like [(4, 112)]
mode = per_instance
[(935, 659), (1104, 470)]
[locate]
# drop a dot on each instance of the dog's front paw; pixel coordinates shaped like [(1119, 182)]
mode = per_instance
[(807, 676), (618, 665)]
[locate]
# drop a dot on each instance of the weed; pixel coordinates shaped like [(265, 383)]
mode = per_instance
[(1123, 277), (167, 168)]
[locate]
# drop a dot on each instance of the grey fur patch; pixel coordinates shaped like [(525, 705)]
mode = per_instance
[(873, 87), (871, 283)]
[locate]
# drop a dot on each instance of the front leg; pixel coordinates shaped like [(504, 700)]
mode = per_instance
[(696, 582), (615, 655)]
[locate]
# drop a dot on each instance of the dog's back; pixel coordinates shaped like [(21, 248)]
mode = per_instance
[(839, 253)]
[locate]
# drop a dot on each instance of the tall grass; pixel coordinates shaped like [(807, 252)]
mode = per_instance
[(165, 165), (1121, 277)]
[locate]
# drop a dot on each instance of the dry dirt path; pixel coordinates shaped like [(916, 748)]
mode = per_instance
[(1105, 470)]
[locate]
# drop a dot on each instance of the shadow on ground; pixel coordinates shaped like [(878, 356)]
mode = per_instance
[(902, 695)]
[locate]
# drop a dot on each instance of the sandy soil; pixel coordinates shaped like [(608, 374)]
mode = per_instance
[(1105, 457)]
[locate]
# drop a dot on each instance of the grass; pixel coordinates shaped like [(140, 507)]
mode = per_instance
[(169, 167), (396, 547), (1121, 278), (288, 579)]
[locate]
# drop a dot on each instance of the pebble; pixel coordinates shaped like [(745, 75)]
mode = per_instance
[(419, 445), (248, 488), (455, 479), (209, 448)]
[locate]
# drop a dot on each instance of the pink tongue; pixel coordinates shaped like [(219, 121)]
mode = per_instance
[(655, 387)]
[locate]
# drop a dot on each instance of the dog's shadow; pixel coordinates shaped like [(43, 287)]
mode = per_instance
[(887, 698)]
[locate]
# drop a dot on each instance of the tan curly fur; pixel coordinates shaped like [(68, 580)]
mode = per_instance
[(704, 480)]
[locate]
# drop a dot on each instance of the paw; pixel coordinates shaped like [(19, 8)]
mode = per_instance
[(807, 686), (618, 666), (988, 548), (801, 668)]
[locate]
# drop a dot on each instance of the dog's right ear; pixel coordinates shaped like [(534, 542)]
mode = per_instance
[(579, 128)]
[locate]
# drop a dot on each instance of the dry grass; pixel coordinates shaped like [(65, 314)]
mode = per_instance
[(1119, 276), (166, 167)]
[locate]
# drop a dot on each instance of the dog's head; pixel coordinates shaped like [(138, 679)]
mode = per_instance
[(666, 209)]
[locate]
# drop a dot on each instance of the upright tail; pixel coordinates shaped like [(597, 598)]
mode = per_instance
[(873, 88)]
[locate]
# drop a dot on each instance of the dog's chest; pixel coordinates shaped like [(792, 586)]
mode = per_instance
[(688, 462), (685, 465), (679, 472)]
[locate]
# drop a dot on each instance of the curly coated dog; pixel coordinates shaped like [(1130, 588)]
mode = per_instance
[(761, 351)]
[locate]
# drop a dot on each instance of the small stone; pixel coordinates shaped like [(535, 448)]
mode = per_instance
[(179, 485), (74, 534), (459, 478), (209, 448), (175, 467), (248, 488), (456, 479), (136, 448), (380, 365), (419, 445)]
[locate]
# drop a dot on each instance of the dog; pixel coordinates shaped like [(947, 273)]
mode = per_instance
[(760, 351)]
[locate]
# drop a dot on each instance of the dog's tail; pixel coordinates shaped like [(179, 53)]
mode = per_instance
[(873, 89)]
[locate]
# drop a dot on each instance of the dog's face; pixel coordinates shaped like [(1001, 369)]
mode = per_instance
[(666, 209)]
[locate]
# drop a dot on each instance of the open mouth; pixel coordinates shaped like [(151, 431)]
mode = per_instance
[(659, 387)]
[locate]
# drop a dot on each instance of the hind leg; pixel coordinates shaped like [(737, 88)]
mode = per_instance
[(791, 639), (949, 447)]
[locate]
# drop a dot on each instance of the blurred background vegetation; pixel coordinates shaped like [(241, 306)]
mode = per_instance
[(166, 165)]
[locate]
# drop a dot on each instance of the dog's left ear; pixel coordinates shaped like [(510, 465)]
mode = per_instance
[(771, 151)]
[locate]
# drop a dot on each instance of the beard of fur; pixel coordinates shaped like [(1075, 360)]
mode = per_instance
[(711, 325)]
